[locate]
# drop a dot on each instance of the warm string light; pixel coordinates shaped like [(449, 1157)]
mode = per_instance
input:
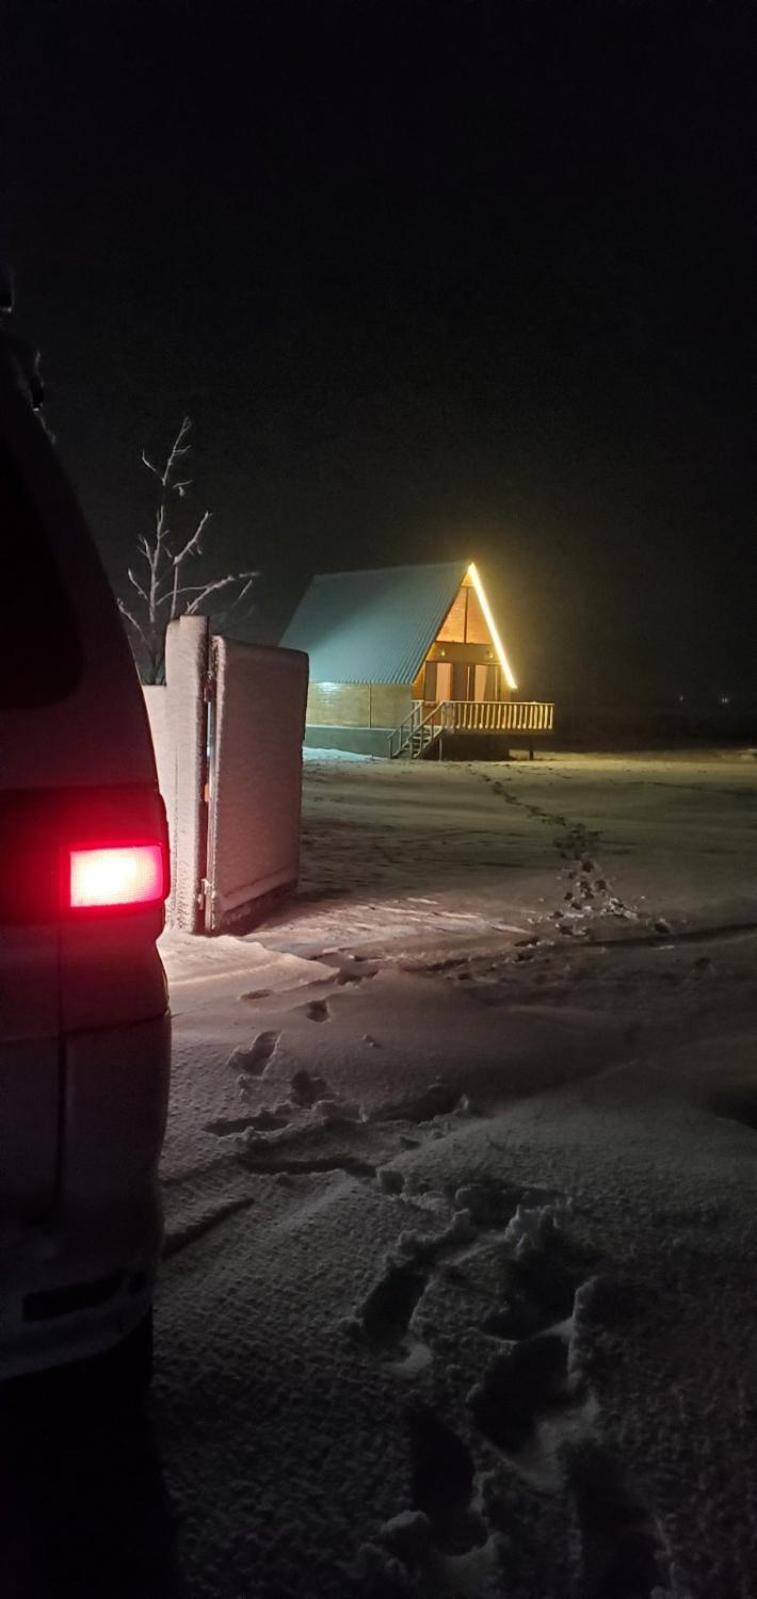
[(492, 626)]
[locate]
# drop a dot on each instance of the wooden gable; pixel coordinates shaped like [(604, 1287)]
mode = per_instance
[(465, 622)]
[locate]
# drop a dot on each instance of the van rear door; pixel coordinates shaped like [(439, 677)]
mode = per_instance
[(29, 1072), (72, 727), (40, 662)]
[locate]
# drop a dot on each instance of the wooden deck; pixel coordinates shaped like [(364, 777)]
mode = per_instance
[(427, 723)]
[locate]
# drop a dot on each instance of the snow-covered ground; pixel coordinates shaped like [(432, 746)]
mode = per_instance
[(460, 1290)]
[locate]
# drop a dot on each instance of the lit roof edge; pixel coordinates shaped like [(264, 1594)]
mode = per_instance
[(491, 624)]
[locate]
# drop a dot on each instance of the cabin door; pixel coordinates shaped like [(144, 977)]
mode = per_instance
[(473, 682), (463, 681), (437, 682)]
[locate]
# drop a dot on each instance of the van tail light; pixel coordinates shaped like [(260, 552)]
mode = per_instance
[(71, 853), (123, 874)]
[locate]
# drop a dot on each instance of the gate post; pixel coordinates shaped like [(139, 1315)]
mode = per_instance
[(187, 663)]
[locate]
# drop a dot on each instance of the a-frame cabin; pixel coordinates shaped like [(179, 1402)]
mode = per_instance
[(405, 658)]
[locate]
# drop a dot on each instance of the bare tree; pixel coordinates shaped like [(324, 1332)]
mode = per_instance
[(161, 591)]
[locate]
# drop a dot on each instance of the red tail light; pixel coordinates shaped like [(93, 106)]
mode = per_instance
[(124, 874), (77, 851)]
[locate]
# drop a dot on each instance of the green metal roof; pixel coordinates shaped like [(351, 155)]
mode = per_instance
[(373, 627)]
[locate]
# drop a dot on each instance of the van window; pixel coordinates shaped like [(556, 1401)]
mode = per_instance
[(40, 655)]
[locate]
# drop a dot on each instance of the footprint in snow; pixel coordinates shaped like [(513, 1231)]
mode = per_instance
[(442, 1480), (306, 1088), (538, 1289), (253, 1061), (439, 1099), (442, 1543), (388, 1307), (622, 1546), (263, 1121), (522, 1380), (317, 1010)]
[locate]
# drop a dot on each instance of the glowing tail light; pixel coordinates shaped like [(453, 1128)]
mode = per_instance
[(79, 851), (126, 874)]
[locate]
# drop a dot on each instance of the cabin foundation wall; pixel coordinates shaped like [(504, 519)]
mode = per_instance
[(355, 740), (367, 705), (339, 705), (390, 704)]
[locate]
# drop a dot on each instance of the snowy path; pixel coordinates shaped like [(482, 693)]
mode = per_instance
[(460, 1290), (401, 850)]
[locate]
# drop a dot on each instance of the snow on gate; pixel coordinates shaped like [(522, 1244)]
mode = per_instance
[(227, 728)]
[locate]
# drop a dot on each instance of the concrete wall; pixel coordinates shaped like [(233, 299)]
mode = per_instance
[(177, 723), (156, 700), (358, 740), (373, 705)]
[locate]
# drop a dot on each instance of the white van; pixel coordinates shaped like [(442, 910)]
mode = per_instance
[(84, 1026)]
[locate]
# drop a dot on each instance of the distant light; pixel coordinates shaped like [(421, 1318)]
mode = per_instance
[(491, 624), (725, 699)]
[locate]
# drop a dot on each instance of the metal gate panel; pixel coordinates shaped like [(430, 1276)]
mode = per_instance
[(255, 734)]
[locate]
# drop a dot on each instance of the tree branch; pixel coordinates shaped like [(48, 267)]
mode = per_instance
[(193, 543), (212, 588), (161, 531), (232, 577), (178, 448), (124, 609), (244, 590), (134, 580), (162, 594)]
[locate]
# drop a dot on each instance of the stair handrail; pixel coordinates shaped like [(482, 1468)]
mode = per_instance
[(414, 723), (399, 732)]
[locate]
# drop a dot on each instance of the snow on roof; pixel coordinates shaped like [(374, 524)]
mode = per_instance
[(373, 627)]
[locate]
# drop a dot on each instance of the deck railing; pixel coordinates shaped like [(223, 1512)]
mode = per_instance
[(426, 722), (497, 716)]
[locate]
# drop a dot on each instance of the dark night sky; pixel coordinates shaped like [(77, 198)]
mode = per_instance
[(432, 278)]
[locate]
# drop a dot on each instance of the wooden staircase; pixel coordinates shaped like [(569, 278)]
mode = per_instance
[(415, 736)]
